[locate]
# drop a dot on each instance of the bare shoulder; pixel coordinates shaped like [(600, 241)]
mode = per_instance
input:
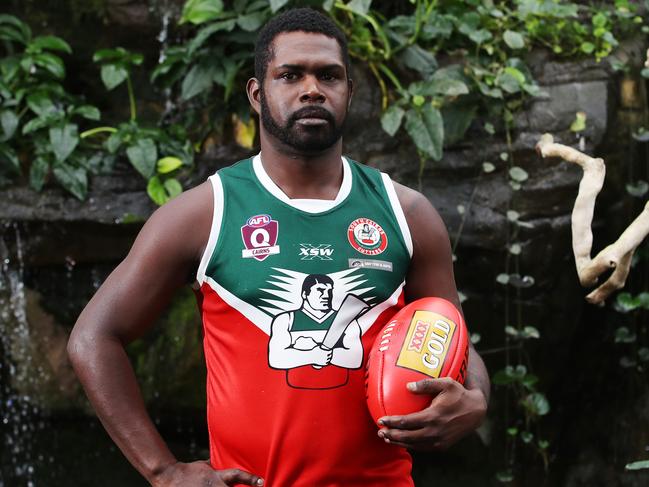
[(421, 215), (182, 225)]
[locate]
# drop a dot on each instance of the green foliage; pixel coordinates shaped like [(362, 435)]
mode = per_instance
[(139, 144), (439, 65), (434, 105), (38, 118)]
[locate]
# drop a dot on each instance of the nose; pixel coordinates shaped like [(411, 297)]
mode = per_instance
[(311, 92)]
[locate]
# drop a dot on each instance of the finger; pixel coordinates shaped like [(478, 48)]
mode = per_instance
[(418, 420), (432, 386), (408, 437), (235, 476)]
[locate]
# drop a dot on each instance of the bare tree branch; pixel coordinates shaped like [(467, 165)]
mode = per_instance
[(616, 256)]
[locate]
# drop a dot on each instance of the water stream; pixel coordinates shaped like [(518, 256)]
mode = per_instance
[(18, 410)]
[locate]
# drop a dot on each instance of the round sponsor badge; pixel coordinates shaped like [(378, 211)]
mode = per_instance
[(367, 236)]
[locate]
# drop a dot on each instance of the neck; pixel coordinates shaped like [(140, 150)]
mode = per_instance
[(303, 176)]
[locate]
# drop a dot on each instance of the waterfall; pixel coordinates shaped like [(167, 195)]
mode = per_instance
[(18, 411)]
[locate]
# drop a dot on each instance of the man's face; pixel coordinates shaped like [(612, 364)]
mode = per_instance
[(319, 296), (305, 96)]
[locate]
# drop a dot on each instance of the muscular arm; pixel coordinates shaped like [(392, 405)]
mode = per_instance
[(163, 258), (455, 410), (431, 269), (281, 353)]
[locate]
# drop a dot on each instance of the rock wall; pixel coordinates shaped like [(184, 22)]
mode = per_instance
[(63, 249)]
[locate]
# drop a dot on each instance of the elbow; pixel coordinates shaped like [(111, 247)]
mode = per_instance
[(84, 343), (77, 347)]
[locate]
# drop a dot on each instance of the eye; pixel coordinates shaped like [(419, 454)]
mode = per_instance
[(289, 75), (328, 77)]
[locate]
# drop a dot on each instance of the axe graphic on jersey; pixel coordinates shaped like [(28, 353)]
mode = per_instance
[(351, 309), (316, 344)]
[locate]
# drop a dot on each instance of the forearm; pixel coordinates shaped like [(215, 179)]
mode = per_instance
[(106, 374), (476, 374)]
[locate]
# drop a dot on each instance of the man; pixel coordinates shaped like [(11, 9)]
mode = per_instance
[(315, 344), (247, 230)]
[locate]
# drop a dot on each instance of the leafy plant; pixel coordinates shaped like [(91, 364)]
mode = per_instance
[(142, 145), (38, 118)]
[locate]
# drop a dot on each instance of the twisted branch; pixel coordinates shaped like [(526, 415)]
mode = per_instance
[(616, 256)]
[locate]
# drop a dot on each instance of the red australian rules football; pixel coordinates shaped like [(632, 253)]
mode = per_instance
[(426, 339)]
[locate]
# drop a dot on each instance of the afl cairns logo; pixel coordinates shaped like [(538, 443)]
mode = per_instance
[(259, 235), (367, 236)]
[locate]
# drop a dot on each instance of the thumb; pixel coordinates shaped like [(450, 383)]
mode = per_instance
[(431, 386), (234, 476)]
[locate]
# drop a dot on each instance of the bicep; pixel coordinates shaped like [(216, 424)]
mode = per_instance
[(165, 252), (431, 268)]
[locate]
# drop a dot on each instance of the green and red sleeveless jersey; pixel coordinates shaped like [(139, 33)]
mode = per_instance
[(293, 293)]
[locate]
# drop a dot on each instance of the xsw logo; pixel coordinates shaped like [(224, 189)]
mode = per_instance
[(320, 251)]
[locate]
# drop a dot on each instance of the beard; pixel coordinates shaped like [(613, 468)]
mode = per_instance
[(305, 139)]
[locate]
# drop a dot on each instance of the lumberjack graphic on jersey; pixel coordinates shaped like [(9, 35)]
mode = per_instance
[(316, 344)]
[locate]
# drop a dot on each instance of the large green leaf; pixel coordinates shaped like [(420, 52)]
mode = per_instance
[(64, 140), (202, 35), (9, 123), (9, 158), (40, 103), (156, 191), (391, 119), (113, 55), (426, 128), (114, 142), (436, 86), (168, 164), (38, 123), (419, 59), (361, 7), (514, 39), (16, 29), (480, 36), (52, 43), (143, 155), (275, 5), (457, 120), (88, 111), (37, 173), (113, 75), (161, 192), (198, 79), (201, 11), (173, 187), (226, 76), (251, 22), (75, 180), (51, 63)]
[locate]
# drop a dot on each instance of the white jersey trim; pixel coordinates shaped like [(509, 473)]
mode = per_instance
[(306, 205), (217, 218), (263, 321), (260, 319), (398, 212)]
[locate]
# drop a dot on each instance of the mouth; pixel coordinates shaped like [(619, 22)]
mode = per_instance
[(312, 117), (312, 121)]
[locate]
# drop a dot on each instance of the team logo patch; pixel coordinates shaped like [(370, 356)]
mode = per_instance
[(367, 236), (317, 251), (259, 235), (427, 343)]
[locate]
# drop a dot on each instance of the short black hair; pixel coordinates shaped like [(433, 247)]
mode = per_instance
[(313, 279), (295, 20)]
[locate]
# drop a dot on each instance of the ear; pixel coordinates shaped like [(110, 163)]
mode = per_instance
[(253, 89), (350, 85)]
